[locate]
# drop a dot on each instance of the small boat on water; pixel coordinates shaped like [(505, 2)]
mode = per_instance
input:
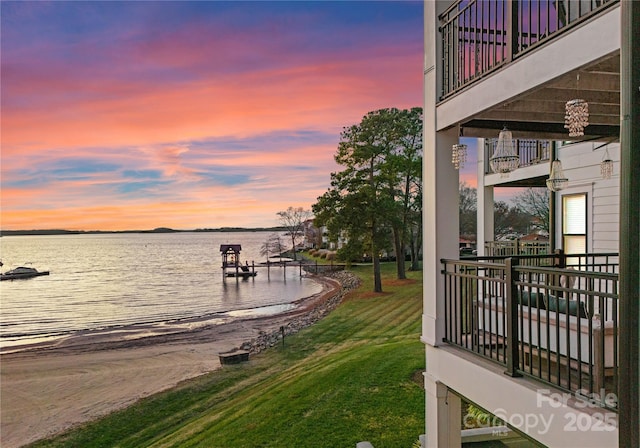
[(21, 273)]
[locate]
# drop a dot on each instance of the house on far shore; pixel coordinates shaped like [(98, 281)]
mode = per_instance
[(543, 336), (312, 236), (318, 238)]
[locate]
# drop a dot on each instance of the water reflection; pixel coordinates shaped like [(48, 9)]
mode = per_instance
[(111, 280)]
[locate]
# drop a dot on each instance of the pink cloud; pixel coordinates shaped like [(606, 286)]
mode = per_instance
[(333, 94)]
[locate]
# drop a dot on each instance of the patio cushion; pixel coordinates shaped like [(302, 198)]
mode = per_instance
[(560, 305), (535, 299)]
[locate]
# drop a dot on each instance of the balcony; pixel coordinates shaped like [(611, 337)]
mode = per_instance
[(530, 152), (553, 318), (491, 43), (480, 36), (568, 328)]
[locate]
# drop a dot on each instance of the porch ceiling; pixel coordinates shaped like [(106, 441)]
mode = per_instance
[(539, 113), (534, 182)]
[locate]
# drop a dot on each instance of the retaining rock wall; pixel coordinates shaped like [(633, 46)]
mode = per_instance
[(348, 282)]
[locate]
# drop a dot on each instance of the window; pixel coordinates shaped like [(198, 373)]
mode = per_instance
[(574, 223)]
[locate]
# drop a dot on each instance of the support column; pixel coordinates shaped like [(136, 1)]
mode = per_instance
[(629, 291), (485, 205), (440, 187), (441, 228), (553, 207), (441, 233), (443, 414)]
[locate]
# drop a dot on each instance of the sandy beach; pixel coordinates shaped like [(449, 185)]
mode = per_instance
[(55, 386)]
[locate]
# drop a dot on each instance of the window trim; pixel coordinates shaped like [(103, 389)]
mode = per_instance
[(563, 220)]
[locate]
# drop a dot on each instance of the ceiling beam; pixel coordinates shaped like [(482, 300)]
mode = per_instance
[(478, 128), (546, 117), (593, 96), (541, 105), (589, 81)]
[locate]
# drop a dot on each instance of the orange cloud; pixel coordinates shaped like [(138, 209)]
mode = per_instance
[(309, 97)]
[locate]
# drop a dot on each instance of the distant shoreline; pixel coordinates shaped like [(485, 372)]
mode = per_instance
[(156, 230)]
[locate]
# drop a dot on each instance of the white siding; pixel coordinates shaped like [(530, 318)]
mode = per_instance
[(581, 163)]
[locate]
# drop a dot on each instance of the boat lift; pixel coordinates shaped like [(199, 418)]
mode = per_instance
[(231, 260)]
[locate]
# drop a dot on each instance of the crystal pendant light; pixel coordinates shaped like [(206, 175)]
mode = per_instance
[(576, 116), (504, 158), (606, 166), (556, 181), (459, 155)]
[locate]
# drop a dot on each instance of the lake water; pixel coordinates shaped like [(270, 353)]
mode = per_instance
[(108, 282)]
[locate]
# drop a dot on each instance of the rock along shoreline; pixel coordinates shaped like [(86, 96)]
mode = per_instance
[(265, 339)]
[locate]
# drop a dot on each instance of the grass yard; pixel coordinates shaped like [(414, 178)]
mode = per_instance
[(354, 376)]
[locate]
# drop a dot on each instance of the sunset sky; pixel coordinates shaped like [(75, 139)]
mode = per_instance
[(141, 114)]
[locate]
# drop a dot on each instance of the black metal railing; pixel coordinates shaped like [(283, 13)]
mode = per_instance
[(478, 36), (530, 254), (604, 262), (558, 325), (530, 152), (315, 268)]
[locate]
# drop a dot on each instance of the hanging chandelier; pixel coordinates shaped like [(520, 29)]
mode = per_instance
[(557, 181), (576, 117), (458, 155), (606, 166), (505, 158)]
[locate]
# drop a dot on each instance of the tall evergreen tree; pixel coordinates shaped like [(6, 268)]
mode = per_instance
[(373, 197), (406, 164)]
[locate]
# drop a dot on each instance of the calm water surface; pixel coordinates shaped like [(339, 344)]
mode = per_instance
[(106, 282)]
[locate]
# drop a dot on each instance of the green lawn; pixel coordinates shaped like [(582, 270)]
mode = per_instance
[(353, 376)]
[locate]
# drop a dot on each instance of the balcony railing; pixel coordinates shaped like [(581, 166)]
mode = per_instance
[(526, 255), (516, 247), (530, 152), (557, 324), (478, 36)]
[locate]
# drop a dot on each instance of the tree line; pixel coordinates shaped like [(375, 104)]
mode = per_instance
[(374, 202), (528, 214)]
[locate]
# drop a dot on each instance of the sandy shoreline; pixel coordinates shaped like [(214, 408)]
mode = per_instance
[(49, 388)]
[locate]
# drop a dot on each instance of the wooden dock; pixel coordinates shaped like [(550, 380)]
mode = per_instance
[(232, 267)]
